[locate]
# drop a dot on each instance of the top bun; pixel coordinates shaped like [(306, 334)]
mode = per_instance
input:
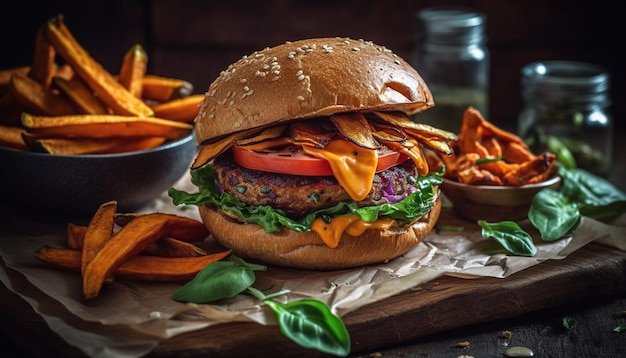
[(309, 78)]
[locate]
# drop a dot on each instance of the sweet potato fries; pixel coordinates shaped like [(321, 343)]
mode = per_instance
[(152, 247), (125, 112), (487, 155)]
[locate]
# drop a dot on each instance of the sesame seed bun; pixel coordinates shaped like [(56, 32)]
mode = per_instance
[(309, 78), (306, 250)]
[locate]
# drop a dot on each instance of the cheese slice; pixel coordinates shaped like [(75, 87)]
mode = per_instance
[(331, 232), (354, 167)]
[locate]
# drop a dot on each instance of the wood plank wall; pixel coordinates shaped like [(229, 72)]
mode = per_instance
[(196, 39)]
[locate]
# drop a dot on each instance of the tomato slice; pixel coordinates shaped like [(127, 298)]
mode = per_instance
[(292, 160)]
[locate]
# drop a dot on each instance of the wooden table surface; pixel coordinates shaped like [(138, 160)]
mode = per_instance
[(589, 286)]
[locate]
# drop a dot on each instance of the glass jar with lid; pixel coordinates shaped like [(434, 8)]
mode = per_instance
[(565, 112), (451, 55)]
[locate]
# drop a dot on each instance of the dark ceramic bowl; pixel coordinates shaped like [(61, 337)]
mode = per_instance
[(74, 186)]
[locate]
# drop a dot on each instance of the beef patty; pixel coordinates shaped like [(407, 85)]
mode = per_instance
[(297, 195)]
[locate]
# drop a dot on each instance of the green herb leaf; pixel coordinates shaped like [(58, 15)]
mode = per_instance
[(511, 236), (221, 279), (311, 324), (620, 328), (569, 322), (552, 213), (480, 161), (596, 197)]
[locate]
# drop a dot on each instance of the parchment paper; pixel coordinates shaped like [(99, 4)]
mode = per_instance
[(129, 318)]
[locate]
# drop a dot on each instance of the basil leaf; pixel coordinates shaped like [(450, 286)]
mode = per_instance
[(569, 322), (510, 235), (596, 197), (221, 279), (552, 213), (311, 324), (620, 328)]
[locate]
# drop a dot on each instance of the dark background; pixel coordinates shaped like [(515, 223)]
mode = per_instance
[(195, 40)]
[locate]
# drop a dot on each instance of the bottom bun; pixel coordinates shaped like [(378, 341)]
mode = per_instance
[(308, 251)]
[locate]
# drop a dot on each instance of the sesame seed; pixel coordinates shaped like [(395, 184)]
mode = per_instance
[(356, 49), (246, 88), (243, 80), (276, 78), (299, 73), (300, 78), (300, 98)]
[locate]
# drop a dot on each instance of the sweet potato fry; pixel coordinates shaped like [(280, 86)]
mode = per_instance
[(79, 94), (5, 77), (38, 99), (533, 171), (172, 269), (99, 232), (517, 153), (10, 110), (166, 247), (133, 69), (163, 89), (108, 89), (143, 268), (102, 126), (76, 235), (171, 247), (80, 146), (11, 137), (65, 72), (42, 67), (67, 259), (181, 110), (134, 238)]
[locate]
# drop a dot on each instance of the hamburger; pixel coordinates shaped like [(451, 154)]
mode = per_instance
[(309, 157)]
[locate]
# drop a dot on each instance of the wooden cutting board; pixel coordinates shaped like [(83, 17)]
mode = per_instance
[(442, 304)]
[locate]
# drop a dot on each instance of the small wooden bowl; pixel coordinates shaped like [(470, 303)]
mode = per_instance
[(494, 203)]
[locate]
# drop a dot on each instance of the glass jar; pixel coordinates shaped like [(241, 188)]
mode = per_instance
[(565, 112), (451, 55)]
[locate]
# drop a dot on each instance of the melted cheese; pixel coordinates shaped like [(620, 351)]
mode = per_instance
[(411, 148), (354, 167), (351, 224)]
